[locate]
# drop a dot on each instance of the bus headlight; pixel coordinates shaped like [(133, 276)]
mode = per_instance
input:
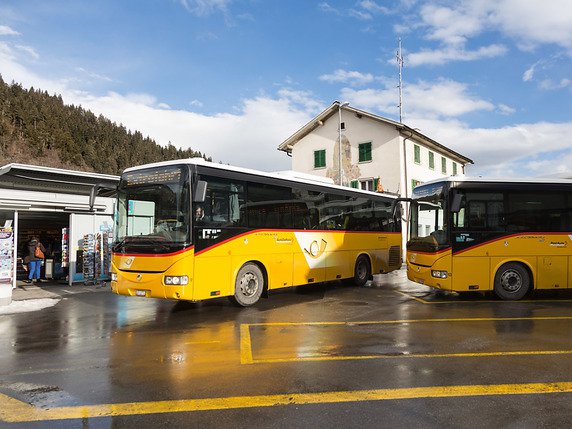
[(176, 280), (439, 274), (113, 277)]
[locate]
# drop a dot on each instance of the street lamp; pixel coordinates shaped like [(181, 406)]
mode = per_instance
[(340, 106)]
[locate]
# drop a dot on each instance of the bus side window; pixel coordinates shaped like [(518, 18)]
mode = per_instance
[(476, 214)]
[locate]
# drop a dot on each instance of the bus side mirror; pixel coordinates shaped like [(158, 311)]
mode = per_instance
[(395, 205), (92, 195), (456, 203), (200, 192), (100, 189)]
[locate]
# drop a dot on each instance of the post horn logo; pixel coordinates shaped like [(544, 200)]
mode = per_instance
[(316, 250)]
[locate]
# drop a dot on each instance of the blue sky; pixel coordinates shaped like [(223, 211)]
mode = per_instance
[(234, 78)]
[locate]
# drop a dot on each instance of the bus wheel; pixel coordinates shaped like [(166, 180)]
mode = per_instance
[(362, 271), (249, 285), (512, 281)]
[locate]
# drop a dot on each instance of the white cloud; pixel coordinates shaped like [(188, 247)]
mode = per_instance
[(505, 110), (550, 85), (205, 7), (373, 7), (7, 31), (349, 77), (453, 53), (529, 73), (28, 50), (326, 7), (452, 26), (444, 98), (359, 14), (93, 75), (247, 138), (513, 151), (534, 22), (529, 23)]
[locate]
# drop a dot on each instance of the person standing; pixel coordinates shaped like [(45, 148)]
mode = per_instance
[(36, 251)]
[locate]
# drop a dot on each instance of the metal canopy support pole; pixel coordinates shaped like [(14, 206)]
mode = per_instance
[(15, 254), (71, 252)]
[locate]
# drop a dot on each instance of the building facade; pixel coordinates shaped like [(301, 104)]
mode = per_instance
[(375, 153)]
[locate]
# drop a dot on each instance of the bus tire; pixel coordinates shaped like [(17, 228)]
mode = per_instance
[(249, 285), (512, 281), (362, 270)]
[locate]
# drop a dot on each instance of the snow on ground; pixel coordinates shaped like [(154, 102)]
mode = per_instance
[(28, 305)]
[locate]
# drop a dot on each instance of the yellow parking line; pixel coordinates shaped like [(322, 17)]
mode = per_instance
[(246, 354), (480, 301), (415, 356), (245, 345), (14, 411), (400, 321)]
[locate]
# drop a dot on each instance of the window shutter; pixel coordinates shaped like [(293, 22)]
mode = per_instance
[(354, 184)]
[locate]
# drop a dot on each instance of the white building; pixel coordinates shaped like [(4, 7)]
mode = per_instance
[(373, 149), (377, 153)]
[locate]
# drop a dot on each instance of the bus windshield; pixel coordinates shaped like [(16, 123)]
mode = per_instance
[(428, 226), (153, 211)]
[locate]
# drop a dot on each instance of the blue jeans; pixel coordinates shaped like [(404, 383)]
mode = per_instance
[(34, 269)]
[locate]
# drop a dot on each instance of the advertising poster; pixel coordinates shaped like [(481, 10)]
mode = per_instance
[(6, 254)]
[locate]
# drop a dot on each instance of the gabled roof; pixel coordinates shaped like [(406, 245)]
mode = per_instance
[(410, 133)]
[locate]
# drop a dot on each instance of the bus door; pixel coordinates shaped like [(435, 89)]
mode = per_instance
[(477, 219)]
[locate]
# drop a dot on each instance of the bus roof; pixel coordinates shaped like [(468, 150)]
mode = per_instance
[(491, 180), (282, 176)]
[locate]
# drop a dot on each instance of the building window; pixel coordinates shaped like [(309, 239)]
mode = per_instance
[(417, 154), (431, 160), (414, 183), (443, 165), (366, 185), (454, 168), (320, 158), (364, 152)]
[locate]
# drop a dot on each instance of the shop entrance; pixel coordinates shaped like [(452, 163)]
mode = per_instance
[(47, 227)]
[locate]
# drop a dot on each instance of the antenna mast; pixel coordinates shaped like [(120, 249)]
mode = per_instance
[(399, 58)]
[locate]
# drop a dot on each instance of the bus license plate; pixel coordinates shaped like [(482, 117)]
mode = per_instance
[(140, 293)]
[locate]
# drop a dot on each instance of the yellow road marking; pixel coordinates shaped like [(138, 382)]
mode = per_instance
[(415, 356), (12, 410), (246, 355), (401, 321), (424, 301), (245, 345)]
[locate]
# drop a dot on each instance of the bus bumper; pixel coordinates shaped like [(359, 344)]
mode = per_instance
[(146, 285), (426, 276)]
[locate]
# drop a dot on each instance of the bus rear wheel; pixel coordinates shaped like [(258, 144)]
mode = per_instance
[(512, 281), (362, 270), (249, 285)]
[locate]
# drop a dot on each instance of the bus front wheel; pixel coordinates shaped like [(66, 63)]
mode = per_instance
[(512, 281), (362, 270), (249, 285)]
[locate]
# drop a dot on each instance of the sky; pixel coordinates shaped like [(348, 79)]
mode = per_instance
[(233, 79)]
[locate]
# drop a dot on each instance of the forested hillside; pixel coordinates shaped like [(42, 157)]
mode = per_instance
[(38, 128)]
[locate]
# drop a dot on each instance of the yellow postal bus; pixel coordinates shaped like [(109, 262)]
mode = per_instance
[(195, 230), (480, 235)]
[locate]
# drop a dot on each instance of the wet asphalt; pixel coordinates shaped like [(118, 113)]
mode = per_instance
[(100, 348)]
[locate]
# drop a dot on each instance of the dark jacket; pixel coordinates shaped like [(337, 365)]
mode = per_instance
[(32, 248)]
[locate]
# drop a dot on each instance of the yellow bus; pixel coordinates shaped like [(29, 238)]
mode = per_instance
[(479, 235), (195, 230)]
